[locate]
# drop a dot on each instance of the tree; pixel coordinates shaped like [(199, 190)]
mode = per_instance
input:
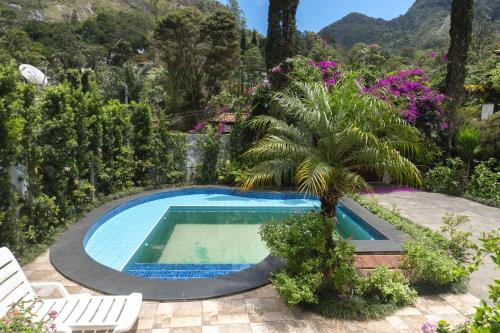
[(222, 36), (483, 33), (120, 52), (11, 127), (234, 8), (16, 44), (254, 38), (462, 14), (281, 31), (254, 65), (243, 41), (59, 143), (117, 155), (142, 139), (323, 139), (198, 52), (178, 38)]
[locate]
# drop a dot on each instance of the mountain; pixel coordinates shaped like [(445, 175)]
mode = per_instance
[(425, 25), (57, 10)]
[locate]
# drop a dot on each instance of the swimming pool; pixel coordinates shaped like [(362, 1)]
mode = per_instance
[(113, 248), (199, 233)]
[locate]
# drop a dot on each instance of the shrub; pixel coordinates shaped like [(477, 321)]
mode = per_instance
[(20, 319), (430, 266), (487, 317), (485, 181), (431, 261), (459, 244), (82, 194), (207, 170), (300, 241), (447, 178), (45, 214), (301, 287), (230, 173), (387, 286), (490, 136)]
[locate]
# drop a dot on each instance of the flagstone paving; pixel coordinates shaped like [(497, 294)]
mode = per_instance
[(428, 209), (262, 310)]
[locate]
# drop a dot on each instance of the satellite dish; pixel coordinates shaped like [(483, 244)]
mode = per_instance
[(33, 75)]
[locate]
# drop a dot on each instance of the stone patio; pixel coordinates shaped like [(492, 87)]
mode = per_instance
[(262, 310)]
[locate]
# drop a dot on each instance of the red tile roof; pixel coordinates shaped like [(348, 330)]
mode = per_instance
[(228, 117)]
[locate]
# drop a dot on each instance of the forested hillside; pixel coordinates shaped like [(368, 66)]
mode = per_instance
[(58, 10), (424, 26)]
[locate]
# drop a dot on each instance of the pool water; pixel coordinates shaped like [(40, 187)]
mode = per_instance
[(199, 232), (187, 236), (204, 235)]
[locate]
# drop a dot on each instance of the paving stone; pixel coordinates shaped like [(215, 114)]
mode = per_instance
[(398, 324), (235, 328), (289, 326), (464, 303), (267, 309), (453, 320), (192, 329)]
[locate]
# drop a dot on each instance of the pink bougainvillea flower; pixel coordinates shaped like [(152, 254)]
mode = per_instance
[(221, 129), (199, 126), (408, 90)]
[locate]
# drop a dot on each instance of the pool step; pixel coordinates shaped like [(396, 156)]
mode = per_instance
[(182, 271)]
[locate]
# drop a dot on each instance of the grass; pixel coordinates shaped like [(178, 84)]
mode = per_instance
[(355, 308), (413, 230)]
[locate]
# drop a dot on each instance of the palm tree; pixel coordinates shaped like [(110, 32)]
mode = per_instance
[(323, 139), (468, 147)]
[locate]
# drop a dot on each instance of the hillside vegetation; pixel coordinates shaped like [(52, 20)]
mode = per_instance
[(58, 10)]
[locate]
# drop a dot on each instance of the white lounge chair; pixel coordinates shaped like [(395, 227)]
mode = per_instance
[(74, 312)]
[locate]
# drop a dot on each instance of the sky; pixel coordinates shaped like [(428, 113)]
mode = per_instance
[(313, 15)]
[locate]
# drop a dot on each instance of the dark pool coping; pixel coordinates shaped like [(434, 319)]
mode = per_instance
[(69, 258)]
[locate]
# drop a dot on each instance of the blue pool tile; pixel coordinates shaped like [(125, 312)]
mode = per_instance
[(182, 271)]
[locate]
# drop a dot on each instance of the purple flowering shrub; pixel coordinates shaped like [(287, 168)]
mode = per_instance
[(418, 104), (329, 71), (308, 70)]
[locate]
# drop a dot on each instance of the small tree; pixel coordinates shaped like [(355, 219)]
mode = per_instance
[(210, 155), (323, 138), (468, 147), (142, 139)]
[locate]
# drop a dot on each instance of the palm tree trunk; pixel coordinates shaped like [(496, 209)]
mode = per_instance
[(328, 208)]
